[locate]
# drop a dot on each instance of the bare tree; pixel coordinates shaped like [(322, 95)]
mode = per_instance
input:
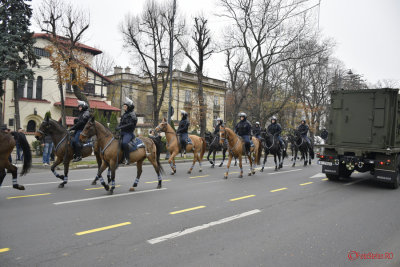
[(147, 38), (66, 26), (201, 37), (104, 63)]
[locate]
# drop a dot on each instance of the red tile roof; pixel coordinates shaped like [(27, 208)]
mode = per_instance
[(34, 100), (87, 48), (102, 105)]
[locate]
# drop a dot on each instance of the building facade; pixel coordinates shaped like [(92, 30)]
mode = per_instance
[(184, 97), (41, 94)]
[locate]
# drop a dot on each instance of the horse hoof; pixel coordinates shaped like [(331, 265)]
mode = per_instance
[(93, 183), (293, 165), (61, 185), (212, 166), (254, 172), (212, 163), (107, 187), (21, 187), (111, 192), (189, 172), (225, 177), (159, 186), (131, 189), (200, 170), (276, 169), (249, 174), (220, 165), (241, 176), (172, 173), (61, 177)]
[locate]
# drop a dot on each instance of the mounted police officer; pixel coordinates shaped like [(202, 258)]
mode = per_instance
[(182, 131), (257, 130), (216, 129), (82, 119), (127, 126), (303, 129), (275, 129), (243, 129)]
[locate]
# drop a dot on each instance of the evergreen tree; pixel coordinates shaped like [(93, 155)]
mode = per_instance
[(113, 122), (103, 120), (188, 68), (16, 46), (48, 114), (96, 115)]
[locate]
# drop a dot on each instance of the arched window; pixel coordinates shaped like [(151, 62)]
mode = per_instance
[(31, 127), (39, 86), (30, 89)]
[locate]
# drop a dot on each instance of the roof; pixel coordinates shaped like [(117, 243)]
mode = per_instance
[(84, 47), (98, 104), (95, 71), (69, 120)]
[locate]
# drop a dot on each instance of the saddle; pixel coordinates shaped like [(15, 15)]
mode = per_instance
[(135, 144), (251, 141)]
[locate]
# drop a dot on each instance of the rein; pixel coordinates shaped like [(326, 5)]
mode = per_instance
[(59, 143)]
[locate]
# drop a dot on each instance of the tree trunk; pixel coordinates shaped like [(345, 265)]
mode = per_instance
[(1, 95), (77, 91), (16, 105), (60, 88), (203, 114)]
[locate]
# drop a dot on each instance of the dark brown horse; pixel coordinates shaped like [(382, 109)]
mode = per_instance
[(112, 155), (63, 147), (236, 149), (7, 141)]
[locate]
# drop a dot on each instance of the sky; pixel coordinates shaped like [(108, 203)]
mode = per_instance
[(366, 32)]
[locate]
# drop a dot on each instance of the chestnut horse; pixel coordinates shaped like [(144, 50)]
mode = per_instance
[(7, 141), (63, 148), (112, 155), (198, 146), (236, 149)]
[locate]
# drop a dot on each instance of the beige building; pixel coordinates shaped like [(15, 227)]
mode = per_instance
[(41, 94), (184, 92)]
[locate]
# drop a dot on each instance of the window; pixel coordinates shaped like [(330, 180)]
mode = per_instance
[(31, 127), (149, 104), (30, 89), (89, 88), (68, 87), (21, 85), (39, 85), (10, 122), (41, 52), (188, 96), (216, 100)]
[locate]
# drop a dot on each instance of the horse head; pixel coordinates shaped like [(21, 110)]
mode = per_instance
[(223, 134), (48, 127), (162, 127), (89, 130)]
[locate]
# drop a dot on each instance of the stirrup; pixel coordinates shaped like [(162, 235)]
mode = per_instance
[(77, 159)]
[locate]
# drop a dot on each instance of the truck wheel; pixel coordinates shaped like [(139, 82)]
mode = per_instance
[(332, 177), (396, 182)]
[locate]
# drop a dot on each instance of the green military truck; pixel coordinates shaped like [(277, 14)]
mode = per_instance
[(363, 134)]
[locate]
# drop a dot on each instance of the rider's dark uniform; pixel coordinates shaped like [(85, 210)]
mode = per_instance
[(182, 131), (275, 129), (303, 129), (127, 126), (257, 131), (243, 129), (82, 119)]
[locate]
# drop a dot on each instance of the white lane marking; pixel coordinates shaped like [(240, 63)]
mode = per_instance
[(110, 196), (318, 175), (273, 173), (355, 182), (201, 227), (69, 181)]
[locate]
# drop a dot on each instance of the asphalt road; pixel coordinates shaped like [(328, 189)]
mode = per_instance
[(293, 217)]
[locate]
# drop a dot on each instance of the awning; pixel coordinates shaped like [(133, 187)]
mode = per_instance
[(98, 104)]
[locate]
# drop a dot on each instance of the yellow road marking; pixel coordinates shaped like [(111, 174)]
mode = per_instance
[(4, 250), (95, 188), (45, 194), (325, 179), (279, 189), (157, 181), (103, 228), (307, 183), (194, 208), (198, 176), (239, 198)]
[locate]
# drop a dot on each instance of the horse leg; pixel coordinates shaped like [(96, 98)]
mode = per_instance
[(139, 165), (108, 175), (65, 177), (235, 162), (113, 166), (157, 169), (208, 156), (14, 173), (53, 168), (295, 157), (98, 159), (199, 160), (265, 160), (227, 166), (223, 157), (276, 164), (304, 155), (213, 164), (251, 165), (100, 178), (171, 162), (194, 162), (3, 174), (241, 166), (280, 158)]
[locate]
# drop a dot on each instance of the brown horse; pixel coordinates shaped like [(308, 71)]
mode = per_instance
[(62, 147), (112, 155), (199, 145), (7, 141), (236, 149)]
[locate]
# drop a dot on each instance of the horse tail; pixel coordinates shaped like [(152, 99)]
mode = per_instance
[(21, 138), (259, 153), (157, 142), (203, 148)]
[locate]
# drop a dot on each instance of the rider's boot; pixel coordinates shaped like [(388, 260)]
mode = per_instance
[(78, 151), (125, 148)]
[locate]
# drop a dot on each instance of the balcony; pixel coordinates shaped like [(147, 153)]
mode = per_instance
[(217, 107)]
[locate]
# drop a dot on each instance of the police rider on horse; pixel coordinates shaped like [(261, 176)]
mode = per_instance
[(303, 129), (257, 130), (243, 129), (275, 129), (83, 118), (182, 131), (127, 126)]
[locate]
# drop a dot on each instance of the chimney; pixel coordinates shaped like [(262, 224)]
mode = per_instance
[(127, 70), (117, 70)]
